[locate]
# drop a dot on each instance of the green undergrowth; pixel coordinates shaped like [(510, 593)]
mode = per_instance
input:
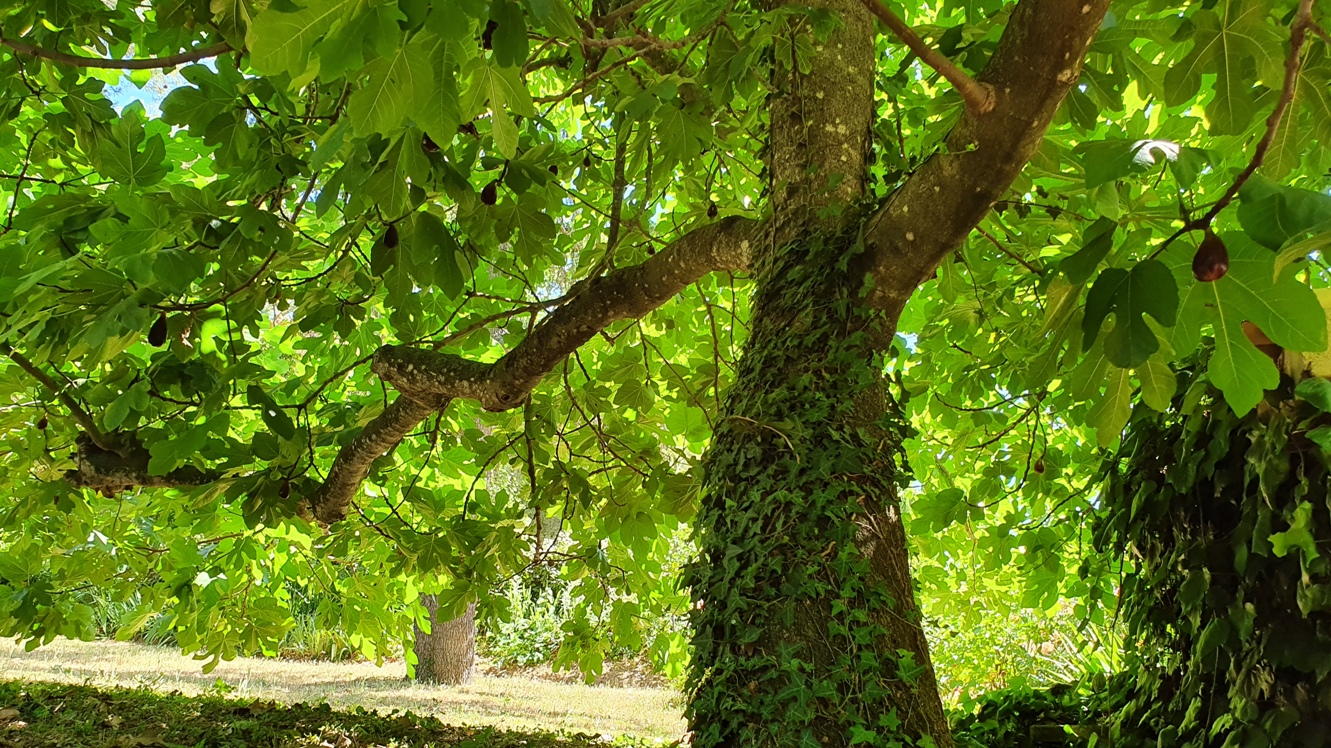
[(1067, 714), (50, 714)]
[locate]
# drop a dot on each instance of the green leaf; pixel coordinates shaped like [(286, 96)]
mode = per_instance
[(510, 34), (1286, 310), (129, 158), (1299, 535), (1106, 161), (506, 96), (1109, 414), (438, 112), (1096, 242), (1236, 44), (1273, 215), (1158, 383), (273, 416), (396, 82), (280, 42), (1316, 391), (434, 246), (1148, 288), (1300, 250), (1321, 436)]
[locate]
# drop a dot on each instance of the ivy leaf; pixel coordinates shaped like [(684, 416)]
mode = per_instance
[(1096, 242), (1299, 535), (1286, 310), (1148, 288), (1317, 392), (1321, 436)]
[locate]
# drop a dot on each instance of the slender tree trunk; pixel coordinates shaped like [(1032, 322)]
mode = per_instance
[(806, 630), (447, 654)]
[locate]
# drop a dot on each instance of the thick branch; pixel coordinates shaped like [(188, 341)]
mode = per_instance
[(1037, 61), (622, 294), (979, 97), (111, 473), (152, 63), (379, 437), (429, 380)]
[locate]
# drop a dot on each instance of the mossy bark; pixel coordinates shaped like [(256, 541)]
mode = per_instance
[(806, 627)]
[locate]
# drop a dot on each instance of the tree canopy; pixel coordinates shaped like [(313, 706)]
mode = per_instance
[(392, 297)]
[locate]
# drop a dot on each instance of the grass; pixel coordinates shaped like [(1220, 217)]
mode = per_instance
[(521, 703), (68, 716)]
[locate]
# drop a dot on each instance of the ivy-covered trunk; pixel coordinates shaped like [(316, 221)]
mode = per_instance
[(1225, 523), (806, 628)]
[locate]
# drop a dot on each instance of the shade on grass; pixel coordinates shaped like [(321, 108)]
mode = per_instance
[(47, 714)]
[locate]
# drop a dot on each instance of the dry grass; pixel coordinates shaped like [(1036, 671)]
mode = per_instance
[(512, 702)]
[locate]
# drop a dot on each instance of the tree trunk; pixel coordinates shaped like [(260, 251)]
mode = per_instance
[(806, 630), (447, 654)]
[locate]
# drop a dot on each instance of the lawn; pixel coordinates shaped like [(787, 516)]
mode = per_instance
[(511, 702)]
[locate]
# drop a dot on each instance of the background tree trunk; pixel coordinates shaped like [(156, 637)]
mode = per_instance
[(447, 654)]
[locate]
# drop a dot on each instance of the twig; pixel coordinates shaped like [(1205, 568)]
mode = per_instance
[(1298, 34), (84, 419), (609, 19), (194, 307), (1008, 252), (1319, 31), (979, 97), (18, 183), (151, 63)]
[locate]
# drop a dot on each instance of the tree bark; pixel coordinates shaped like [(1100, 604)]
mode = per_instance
[(806, 630), (446, 655)]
